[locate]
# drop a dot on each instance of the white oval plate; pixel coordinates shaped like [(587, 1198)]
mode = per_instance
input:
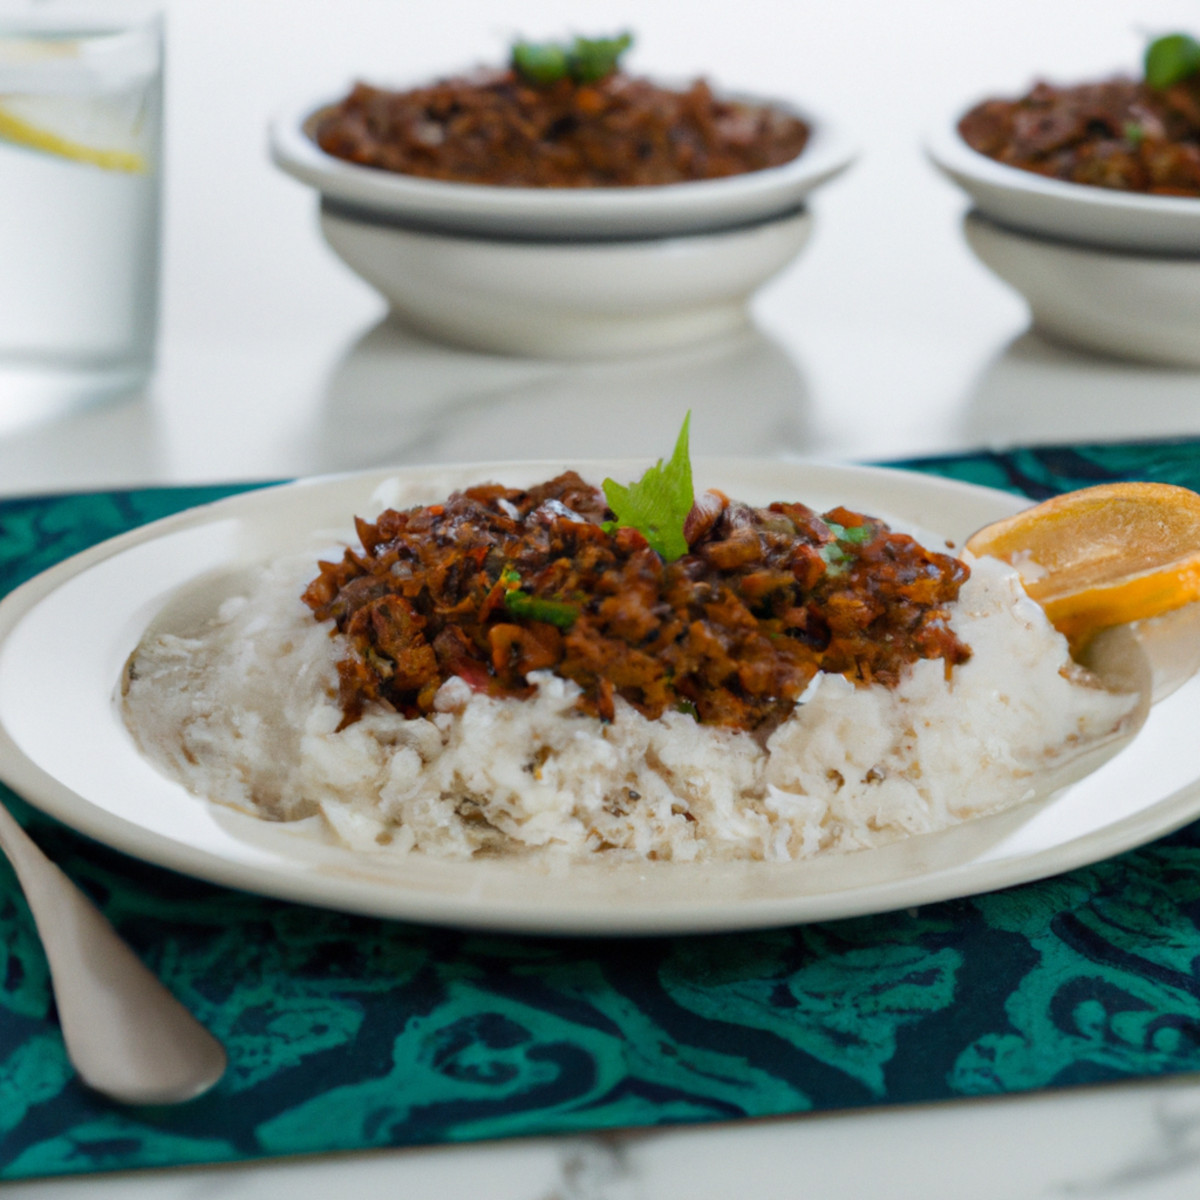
[(65, 635), (1072, 212), (556, 213)]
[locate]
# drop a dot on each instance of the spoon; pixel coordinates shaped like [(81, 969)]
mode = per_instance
[(127, 1036)]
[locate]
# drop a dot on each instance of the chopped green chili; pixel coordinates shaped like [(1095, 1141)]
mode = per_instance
[(559, 613)]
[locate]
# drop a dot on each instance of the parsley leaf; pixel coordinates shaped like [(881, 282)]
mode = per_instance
[(1171, 59), (593, 59), (658, 504), (541, 63), (583, 60)]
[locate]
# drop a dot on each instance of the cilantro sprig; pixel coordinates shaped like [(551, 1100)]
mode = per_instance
[(1171, 59), (856, 535), (657, 505), (582, 60)]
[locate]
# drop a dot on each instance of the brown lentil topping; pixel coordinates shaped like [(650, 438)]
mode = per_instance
[(620, 131), (498, 582), (1119, 134)]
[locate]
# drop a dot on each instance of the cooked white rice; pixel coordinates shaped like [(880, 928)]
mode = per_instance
[(244, 712)]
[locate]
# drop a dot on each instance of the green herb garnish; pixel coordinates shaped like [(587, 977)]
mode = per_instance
[(658, 504), (835, 557), (856, 535), (835, 554), (552, 612), (582, 60), (1172, 59), (593, 59), (536, 608), (542, 63)]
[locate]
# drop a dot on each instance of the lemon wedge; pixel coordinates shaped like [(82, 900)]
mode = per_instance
[(1103, 556)]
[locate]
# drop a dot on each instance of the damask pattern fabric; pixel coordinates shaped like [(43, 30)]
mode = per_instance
[(346, 1032)]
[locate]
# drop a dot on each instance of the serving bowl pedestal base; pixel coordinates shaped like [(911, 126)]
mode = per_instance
[(567, 300), (1139, 306)]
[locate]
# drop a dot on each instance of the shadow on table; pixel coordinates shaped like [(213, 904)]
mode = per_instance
[(89, 444), (396, 397), (1036, 392)]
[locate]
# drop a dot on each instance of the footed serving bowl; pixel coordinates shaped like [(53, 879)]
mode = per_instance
[(567, 273), (1144, 307), (569, 299), (1108, 271)]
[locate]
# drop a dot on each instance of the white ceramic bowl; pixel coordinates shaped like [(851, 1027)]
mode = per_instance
[(1144, 307), (1073, 212), (567, 300), (1104, 270), (567, 273), (554, 213)]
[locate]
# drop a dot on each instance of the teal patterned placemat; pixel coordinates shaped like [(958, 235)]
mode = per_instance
[(346, 1032)]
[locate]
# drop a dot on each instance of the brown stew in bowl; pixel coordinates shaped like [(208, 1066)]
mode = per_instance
[(496, 128), (1119, 133)]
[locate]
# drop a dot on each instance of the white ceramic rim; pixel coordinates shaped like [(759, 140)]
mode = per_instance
[(1149, 789), (1062, 211), (677, 208)]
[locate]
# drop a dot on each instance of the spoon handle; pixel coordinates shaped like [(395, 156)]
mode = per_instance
[(127, 1036)]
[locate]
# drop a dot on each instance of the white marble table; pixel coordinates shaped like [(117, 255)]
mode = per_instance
[(886, 339)]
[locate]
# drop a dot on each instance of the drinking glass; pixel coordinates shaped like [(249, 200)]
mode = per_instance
[(80, 184)]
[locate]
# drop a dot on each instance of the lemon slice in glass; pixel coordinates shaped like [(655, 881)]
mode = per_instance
[(91, 130)]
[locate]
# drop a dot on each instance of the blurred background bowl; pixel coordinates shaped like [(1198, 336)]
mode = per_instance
[(1104, 270), (569, 299), (1070, 212), (1144, 307), (564, 273), (485, 210)]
